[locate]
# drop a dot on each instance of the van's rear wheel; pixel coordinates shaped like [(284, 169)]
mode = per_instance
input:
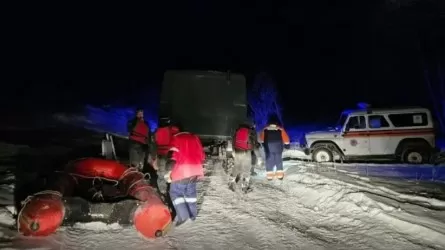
[(415, 156), (322, 155)]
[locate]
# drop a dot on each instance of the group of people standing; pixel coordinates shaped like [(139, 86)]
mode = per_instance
[(174, 159), (273, 138)]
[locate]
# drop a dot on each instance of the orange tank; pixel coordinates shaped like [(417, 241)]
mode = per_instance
[(152, 218), (42, 214)]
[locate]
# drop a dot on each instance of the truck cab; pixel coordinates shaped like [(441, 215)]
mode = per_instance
[(405, 134)]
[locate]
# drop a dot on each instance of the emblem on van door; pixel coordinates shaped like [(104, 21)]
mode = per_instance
[(353, 142)]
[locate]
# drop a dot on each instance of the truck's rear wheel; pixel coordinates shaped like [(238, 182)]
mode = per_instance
[(322, 154)]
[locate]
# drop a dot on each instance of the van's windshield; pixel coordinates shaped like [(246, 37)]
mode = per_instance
[(341, 120)]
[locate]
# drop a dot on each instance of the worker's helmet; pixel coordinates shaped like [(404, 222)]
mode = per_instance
[(164, 121), (176, 124), (248, 123)]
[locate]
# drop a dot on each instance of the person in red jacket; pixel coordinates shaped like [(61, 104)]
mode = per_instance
[(139, 136), (163, 139), (185, 167), (244, 142), (164, 134)]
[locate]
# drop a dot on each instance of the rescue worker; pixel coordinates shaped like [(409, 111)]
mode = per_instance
[(274, 139), (243, 144), (163, 138), (185, 168), (255, 152), (139, 136)]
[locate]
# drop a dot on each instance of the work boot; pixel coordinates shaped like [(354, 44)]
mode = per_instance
[(181, 223), (246, 185), (233, 183), (247, 189), (280, 175), (232, 186), (270, 176)]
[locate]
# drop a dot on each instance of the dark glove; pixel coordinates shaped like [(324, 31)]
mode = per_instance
[(287, 146)]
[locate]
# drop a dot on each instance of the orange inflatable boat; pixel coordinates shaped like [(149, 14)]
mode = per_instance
[(44, 212)]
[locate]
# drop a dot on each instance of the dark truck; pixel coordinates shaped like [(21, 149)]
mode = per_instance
[(210, 104)]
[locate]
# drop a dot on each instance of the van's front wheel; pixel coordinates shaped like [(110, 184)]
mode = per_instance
[(322, 155)]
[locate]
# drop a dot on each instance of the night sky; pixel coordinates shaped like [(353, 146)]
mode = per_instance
[(325, 57)]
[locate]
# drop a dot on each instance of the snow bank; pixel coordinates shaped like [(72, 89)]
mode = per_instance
[(327, 195), (295, 153), (10, 150), (425, 172), (401, 171), (6, 194), (6, 215), (7, 212), (368, 186)]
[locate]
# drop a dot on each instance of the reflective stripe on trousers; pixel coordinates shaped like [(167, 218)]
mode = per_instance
[(181, 200), (184, 199)]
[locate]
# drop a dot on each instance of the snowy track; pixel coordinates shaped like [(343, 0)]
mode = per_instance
[(305, 211)]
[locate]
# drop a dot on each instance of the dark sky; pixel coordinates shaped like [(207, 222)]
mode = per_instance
[(324, 56)]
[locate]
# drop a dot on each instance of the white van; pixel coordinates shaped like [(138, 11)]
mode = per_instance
[(404, 134)]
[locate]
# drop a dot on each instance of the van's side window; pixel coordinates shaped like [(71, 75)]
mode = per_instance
[(377, 121), (409, 120), (356, 122)]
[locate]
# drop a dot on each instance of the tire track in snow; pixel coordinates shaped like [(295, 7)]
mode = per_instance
[(271, 213), (241, 230), (236, 229), (327, 224), (204, 185)]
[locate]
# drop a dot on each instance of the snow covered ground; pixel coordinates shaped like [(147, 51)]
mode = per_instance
[(315, 207)]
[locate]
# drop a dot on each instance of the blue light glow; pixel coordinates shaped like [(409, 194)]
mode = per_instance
[(440, 142), (296, 133), (263, 99), (363, 105), (114, 119)]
